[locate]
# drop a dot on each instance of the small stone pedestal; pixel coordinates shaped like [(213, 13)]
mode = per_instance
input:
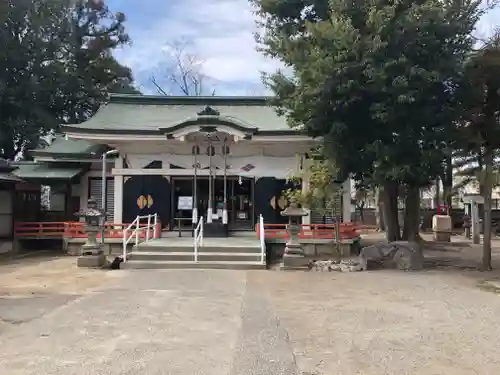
[(91, 261), (441, 227), (293, 258), (92, 251)]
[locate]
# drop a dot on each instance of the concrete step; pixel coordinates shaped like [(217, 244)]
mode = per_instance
[(190, 249), (189, 256), (140, 264)]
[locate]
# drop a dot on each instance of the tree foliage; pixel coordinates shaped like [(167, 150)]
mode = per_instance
[(323, 190), (480, 122), (55, 66), (376, 79)]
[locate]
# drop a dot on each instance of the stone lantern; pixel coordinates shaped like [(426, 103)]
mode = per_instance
[(92, 251), (294, 254)]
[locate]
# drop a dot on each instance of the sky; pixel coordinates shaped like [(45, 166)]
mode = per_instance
[(219, 32)]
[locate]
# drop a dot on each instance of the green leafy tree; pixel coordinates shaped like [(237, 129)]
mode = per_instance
[(30, 43), (480, 94), (318, 188), (92, 32), (323, 189), (55, 66), (375, 79)]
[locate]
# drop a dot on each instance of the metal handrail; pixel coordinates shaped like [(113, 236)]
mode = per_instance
[(198, 238), (262, 236), (135, 232)]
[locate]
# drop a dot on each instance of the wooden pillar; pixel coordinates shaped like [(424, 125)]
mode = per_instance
[(68, 212), (306, 165), (84, 193)]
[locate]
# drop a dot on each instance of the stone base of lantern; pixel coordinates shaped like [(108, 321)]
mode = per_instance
[(294, 258), (91, 261), (441, 227), (92, 256)]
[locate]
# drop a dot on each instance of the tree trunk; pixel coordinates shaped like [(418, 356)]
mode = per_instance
[(379, 209), (362, 212), (437, 196), (412, 214), (390, 207), (447, 180), (480, 166), (488, 185)]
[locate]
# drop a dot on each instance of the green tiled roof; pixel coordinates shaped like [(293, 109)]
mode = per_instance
[(9, 178), (136, 114), (68, 147), (33, 171)]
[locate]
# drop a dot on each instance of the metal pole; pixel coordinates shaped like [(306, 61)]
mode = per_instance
[(225, 151), (103, 188), (196, 151), (209, 210), (103, 181), (103, 194)]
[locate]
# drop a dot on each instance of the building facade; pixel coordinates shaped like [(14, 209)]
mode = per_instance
[(224, 158)]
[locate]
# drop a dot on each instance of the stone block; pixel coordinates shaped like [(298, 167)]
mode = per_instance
[(91, 261), (441, 227), (294, 261), (328, 249), (403, 255), (442, 236)]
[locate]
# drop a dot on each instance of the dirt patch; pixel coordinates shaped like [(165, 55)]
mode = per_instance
[(49, 275), (35, 286)]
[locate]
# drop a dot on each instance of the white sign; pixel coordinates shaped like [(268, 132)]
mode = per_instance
[(185, 203)]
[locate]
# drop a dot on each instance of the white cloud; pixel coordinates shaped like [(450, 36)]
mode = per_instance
[(488, 23), (221, 34)]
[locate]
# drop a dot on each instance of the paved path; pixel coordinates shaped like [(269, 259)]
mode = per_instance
[(161, 322), (260, 323)]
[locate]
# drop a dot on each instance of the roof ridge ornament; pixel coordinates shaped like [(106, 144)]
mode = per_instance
[(208, 111)]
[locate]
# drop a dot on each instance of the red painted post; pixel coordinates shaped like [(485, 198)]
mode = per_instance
[(158, 229)]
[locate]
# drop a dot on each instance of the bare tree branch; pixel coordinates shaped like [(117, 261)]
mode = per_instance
[(158, 87), (183, 69)]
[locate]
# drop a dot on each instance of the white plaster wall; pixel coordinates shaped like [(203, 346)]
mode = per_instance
[(260, 166), (241, 148)]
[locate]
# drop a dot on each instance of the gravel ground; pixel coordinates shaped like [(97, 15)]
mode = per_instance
[(60, 320), (386, 322), (32, 287)]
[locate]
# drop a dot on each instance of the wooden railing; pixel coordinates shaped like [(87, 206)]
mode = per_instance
[(271, 231), (39, 229), (311, 231), (74, 229)]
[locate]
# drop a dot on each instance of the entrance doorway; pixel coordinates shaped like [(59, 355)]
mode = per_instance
[(240, 198)]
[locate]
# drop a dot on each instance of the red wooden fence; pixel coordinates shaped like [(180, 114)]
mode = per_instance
[(73, 229), (271, 231), (311, 231)]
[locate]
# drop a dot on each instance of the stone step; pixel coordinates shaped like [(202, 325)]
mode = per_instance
[(190, 249), (189, 256), (141, 264)]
